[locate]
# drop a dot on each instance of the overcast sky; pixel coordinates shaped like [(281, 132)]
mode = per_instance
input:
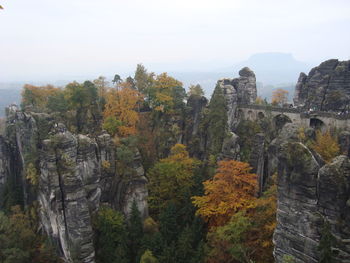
[(43, 39)]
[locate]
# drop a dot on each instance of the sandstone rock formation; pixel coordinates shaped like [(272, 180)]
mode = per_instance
[(310, 194), (72, 175), (240, 90), (326, 87)]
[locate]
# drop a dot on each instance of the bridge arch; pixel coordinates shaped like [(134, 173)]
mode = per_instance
[(261, 115), (240, 114), (250, 115), (280, 120), (317, 124)]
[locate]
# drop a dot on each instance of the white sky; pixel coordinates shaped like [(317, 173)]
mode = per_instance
[(43, 39)]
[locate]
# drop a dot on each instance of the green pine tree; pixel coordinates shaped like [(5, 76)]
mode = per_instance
[(326, 242), (168, 224), (135, 233), (217, 121)]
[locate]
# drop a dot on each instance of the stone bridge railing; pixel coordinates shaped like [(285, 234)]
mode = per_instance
[(302, 112)]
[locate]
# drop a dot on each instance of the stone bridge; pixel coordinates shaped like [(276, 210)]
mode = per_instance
[(280, 116)]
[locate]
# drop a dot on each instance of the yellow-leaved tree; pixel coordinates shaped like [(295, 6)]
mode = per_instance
[(38, 96), (326, 145), (232, 189), (171, 178), (163, 92), (279, 97), (121, 111)]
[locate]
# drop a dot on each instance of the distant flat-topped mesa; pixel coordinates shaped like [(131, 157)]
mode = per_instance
[(326, 88), (241, 90)]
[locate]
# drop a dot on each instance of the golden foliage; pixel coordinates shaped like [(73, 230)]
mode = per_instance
[(163, 89), (259, 100), (171, 178), (32, 174), (232, 189), (279, 96), (326, 145), (247, 236), (38, 96), (122, 104)]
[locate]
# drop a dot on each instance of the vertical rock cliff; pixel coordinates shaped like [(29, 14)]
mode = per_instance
[(311, 195), (69, 176), (241, 90), (326, 87)]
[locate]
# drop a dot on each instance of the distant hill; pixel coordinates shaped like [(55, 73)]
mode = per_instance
[(272, 70)]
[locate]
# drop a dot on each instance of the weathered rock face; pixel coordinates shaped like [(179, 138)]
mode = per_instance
[(310, 194), (344, 142), (131, 187), (230, 147), (4, 165), (64, 200), (76, 173), (327, 87), (193, 135), (257, 160), (240, 90)]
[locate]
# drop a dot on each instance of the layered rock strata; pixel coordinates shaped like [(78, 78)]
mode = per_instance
[(325, 88), (310, 195), (241, 90), (70, 177)]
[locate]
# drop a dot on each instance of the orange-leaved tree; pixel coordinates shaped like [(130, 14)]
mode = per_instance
[(122, 105), (232, 189), (248, 234)]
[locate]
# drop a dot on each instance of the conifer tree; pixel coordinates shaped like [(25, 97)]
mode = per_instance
[(217, 119), (326, 243), (135, 233)]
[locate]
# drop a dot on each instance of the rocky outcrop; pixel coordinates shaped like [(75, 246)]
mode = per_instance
[(132, 187), (257, 160), (310, 194), (344, 142), (326, 87), (4, 166), (70, 177), (230, 147), (67, 197), (241, 90), (193, 135)]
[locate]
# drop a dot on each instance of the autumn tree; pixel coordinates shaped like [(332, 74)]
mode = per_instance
[(166, 93), (247, 236), (148, 257), (195, 90), (326, 145), (259, 100), (232, 189), (279, 97), (171, 178), (38, 96), (19, 240), (122, 106)]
